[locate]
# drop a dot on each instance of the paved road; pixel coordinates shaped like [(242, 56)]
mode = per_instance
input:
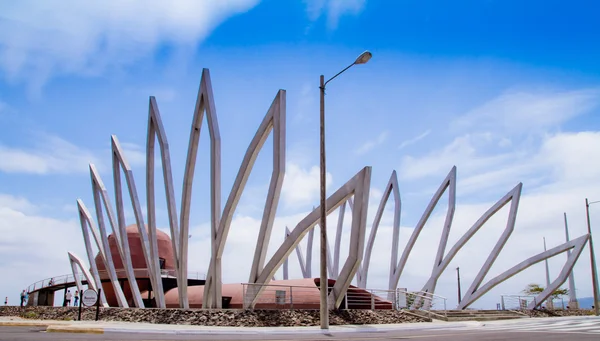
[(535, 330)]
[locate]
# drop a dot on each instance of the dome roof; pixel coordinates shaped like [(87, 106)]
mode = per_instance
[(165, 249)]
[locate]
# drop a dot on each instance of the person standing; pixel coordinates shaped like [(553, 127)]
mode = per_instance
[(68, 298), (76, 297), (6, 301), (22, 297)]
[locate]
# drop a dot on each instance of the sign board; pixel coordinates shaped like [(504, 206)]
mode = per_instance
[(401, 298), (89, 297)]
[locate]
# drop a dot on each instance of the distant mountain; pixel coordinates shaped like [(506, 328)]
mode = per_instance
[(586, 302)]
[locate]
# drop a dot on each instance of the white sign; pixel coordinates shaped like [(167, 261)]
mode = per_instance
[(89, 297)]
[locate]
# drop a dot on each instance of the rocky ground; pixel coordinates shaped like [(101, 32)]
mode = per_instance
[(235, 318)]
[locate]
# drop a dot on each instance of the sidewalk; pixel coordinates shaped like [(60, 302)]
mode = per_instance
[(101, 327)]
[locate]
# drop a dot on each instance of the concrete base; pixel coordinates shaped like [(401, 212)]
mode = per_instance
[(573, 305), (41, 298)]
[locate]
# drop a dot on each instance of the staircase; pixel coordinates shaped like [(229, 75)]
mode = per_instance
[(482, 315)]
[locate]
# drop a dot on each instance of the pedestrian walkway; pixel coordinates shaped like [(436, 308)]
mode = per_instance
[(584, 324)]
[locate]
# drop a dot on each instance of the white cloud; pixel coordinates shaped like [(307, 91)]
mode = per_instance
[(42, 39), (136, 155), (463, 151), (369, 145), (414, 139), (333, 9), (50, 155), (523, 111), (301, 186), (16, 203), (307, 101), (502, 135), (33, 247), (54, 155)]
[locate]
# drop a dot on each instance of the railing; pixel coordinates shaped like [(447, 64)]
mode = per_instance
[(421, 300), (49, 282), (306, 297), (521, 302), (138, 273)]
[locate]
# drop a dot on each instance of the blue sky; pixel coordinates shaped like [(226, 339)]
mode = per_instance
[(506, 91)]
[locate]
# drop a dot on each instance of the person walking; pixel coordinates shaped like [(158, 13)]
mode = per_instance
[(68, 298), (76, 297), (22, 297)]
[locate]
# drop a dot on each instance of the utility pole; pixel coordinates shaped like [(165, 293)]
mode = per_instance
[(324, 287)]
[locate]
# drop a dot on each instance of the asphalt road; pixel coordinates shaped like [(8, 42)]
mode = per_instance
[(481, 334)]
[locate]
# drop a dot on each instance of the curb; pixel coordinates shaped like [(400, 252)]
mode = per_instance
[(348, 329), (71, 329), (24, 324)]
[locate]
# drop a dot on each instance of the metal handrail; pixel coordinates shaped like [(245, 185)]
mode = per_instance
[(425, 301), (68, 278)]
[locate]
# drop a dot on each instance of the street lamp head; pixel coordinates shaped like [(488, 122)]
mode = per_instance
[(363, 58)]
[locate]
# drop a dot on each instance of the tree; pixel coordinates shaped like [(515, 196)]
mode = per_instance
[(535, 289)]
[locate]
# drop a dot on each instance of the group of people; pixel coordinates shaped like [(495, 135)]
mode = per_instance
[(69, 296), (67, 301), (24, 296)]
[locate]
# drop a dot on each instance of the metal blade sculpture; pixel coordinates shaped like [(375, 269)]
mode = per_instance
[(101, 199), (576, 245), (148, 239), (263, 271), (76, 265), (204, 103)]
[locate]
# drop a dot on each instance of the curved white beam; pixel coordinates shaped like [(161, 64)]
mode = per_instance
[(212, 287), (309, 253), (391, 187), (573, 303), (85, 219), (264, 234), (577, 246), (101, 198), (513, 197), (149, 246), (359, 186), (76, 265), (448, 181), (204, 103), (156, 130), (338, 240)]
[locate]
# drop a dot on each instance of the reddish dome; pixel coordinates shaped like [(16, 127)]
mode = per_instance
[(165, 254), (165, 250)]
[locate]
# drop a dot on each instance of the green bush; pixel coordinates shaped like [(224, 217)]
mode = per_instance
[(31, 315)]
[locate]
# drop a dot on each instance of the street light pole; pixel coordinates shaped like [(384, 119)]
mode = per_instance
[(324, 310), (458, 278), (324, 287), (592, 258)]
